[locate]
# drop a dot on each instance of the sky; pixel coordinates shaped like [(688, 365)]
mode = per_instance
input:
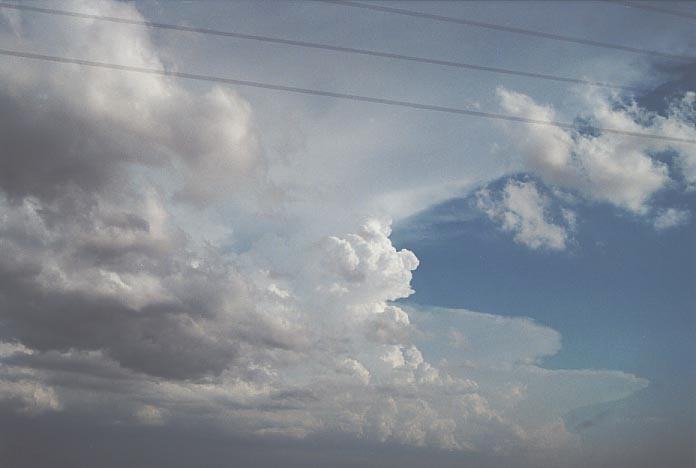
[(203, 274)]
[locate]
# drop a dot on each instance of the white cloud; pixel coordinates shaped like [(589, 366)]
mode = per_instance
[(356, 369), (610, 168), (671, 217), (149, 415), (28, 397), (522, 210)]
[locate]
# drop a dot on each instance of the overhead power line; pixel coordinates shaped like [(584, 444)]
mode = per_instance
[(500, 27), (351, 97), (648, 7), (315, 45)]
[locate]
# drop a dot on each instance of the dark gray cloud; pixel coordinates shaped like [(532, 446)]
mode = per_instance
[(77, 222), (161, 340)]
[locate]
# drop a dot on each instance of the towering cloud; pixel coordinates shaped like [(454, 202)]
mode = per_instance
[(113, 308)]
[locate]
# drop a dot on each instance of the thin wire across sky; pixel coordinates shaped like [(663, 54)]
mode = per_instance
[(331, 94), (348, 96), (316, 45), (648, 7), (510, 29)]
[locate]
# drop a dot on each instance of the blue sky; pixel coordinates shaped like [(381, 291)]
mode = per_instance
[(603, 295), (193, 271), (622, 298)]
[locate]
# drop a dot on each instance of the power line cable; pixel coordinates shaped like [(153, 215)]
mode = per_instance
[(648, 7), (499, 27), (352, 97), (314, 45)]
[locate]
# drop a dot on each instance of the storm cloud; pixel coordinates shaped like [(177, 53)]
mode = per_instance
[(118, 318)]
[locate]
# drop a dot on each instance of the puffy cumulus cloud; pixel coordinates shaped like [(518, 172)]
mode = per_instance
[(365, 374), (369, 260), (612, 168), (113, 310), (356, 369), (522, 210), (671, 217), (298, 348)]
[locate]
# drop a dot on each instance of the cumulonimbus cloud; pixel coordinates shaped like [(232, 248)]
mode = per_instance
[(110, 307)]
